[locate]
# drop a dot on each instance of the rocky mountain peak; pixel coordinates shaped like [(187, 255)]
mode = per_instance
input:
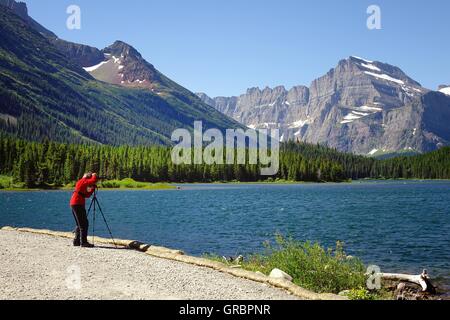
[(123, 65), (122, 49), (361, 106), (253, 90), (383, 71)]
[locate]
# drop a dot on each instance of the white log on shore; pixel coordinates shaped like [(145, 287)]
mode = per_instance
[(423, 280)]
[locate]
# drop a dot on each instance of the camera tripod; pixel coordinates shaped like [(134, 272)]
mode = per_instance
[(93, 207)]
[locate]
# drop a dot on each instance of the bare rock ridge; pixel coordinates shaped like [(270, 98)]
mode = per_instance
[(360, 106), (81, 55), (20, 9)]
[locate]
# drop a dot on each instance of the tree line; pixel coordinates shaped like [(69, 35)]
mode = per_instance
[(38, 164)]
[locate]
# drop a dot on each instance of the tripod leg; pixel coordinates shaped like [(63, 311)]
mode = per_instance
[(93, 224), (90, 207), (104, 219)]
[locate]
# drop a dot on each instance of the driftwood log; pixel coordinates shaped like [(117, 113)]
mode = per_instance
[(423, 280)]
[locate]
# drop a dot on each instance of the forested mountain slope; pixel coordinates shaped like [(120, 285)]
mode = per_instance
[(44, 94)]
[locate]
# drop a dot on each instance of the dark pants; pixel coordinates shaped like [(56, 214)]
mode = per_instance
[(81, 219)]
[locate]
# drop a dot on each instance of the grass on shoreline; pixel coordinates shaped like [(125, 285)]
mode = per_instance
[(7, 184), (132, 184), (312, 267)]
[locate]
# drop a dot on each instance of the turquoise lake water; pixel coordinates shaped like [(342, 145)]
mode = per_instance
[(399, 226)]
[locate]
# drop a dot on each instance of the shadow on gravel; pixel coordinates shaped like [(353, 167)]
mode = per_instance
[(112, 248)]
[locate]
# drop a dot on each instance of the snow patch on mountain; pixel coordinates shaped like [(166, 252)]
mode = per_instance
[(371, 109), (116, 60), (93, 68), (445, 91), (371, 67), (359, 113), (362, 59), (362, 114), (265, 125), (378, 73), (384, 77), (352, 116), (299, 124)]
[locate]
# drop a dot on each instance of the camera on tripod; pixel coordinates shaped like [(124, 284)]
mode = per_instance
[(95, 186)]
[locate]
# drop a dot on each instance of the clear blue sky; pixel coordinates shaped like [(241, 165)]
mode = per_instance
[(224, 47)]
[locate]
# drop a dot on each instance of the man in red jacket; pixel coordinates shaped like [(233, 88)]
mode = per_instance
[(83, 190)]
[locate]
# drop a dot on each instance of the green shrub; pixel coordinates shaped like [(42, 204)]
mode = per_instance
[(360, 294), (5, 182), (110, 184), (129, 183), (70, 185), (311, 266)]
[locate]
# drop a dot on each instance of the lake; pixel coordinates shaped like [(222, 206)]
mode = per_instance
[(401, 226)]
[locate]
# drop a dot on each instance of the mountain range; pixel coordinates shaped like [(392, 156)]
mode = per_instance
[(48, 91), (54, 89), (360, 106)]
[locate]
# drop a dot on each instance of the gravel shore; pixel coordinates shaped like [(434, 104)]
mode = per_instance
[(44, 267)]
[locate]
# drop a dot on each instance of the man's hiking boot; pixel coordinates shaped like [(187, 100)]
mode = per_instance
[(87, 245)]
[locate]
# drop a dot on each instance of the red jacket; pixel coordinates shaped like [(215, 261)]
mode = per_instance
[(81, 192)]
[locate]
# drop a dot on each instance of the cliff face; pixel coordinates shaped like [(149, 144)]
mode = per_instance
[(82, 55), (360, 106), (267, 108), (79, 54), (20, 9)]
